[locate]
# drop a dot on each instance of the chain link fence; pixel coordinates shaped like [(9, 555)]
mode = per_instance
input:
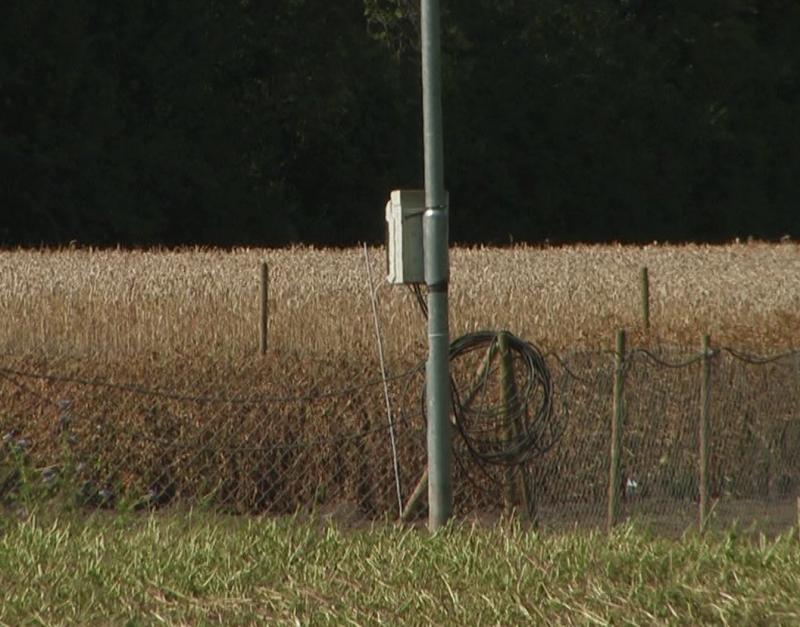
[(282, 435)]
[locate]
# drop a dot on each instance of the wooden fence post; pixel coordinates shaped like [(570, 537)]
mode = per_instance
[(264, 317), (705, 399), (508, 432), (518, 490), (615, 468), (420, 490), (645, 292)]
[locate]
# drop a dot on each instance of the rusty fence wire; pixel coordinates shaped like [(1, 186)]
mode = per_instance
[(282, 436)]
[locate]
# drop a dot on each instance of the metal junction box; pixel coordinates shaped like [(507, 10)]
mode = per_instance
[(404, 256)]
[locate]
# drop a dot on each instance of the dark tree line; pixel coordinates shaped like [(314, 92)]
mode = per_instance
[(246, 122)]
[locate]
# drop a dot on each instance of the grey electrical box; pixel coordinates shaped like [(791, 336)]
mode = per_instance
[(405, 260)]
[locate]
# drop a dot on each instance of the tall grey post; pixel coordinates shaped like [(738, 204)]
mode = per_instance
[(437, 273)]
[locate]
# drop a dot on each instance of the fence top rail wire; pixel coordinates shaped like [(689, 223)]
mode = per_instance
[(254, 400), (758, 360), (569, 371), (660, 361)]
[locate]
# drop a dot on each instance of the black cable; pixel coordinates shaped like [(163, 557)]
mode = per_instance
[(416, 290), (492, 434), (537, 431)]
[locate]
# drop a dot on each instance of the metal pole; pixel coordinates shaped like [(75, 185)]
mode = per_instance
[(437, 273)]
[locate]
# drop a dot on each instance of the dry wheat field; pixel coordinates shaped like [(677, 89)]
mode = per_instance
[(141, 371), (203, 302)]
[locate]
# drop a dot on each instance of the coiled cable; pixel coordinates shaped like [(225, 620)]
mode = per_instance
[(501, 427)]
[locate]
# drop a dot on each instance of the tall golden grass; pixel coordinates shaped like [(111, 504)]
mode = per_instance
[(206, 302)]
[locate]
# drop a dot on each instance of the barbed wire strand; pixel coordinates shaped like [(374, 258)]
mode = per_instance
[(561, 362), (757, 360), (660, 361)]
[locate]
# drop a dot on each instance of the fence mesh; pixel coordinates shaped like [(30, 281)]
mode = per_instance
[(284, 435)]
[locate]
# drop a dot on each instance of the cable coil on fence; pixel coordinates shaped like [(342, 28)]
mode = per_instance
[(507, 421)]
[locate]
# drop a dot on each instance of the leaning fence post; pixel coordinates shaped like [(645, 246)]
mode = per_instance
[(264, 317), (645, 291), (421, 489), (705, 398), (616, 433)]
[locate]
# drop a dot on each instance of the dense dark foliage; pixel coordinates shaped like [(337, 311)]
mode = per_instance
[(226, 122)]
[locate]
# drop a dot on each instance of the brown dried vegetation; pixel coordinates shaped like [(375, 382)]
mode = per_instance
[(205, 303), (186, 323)]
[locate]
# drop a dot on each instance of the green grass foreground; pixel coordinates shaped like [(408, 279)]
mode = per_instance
[(196, 568)]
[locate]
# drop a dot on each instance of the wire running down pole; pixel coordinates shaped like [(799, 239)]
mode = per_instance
[(379, 339), (437, 271)]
